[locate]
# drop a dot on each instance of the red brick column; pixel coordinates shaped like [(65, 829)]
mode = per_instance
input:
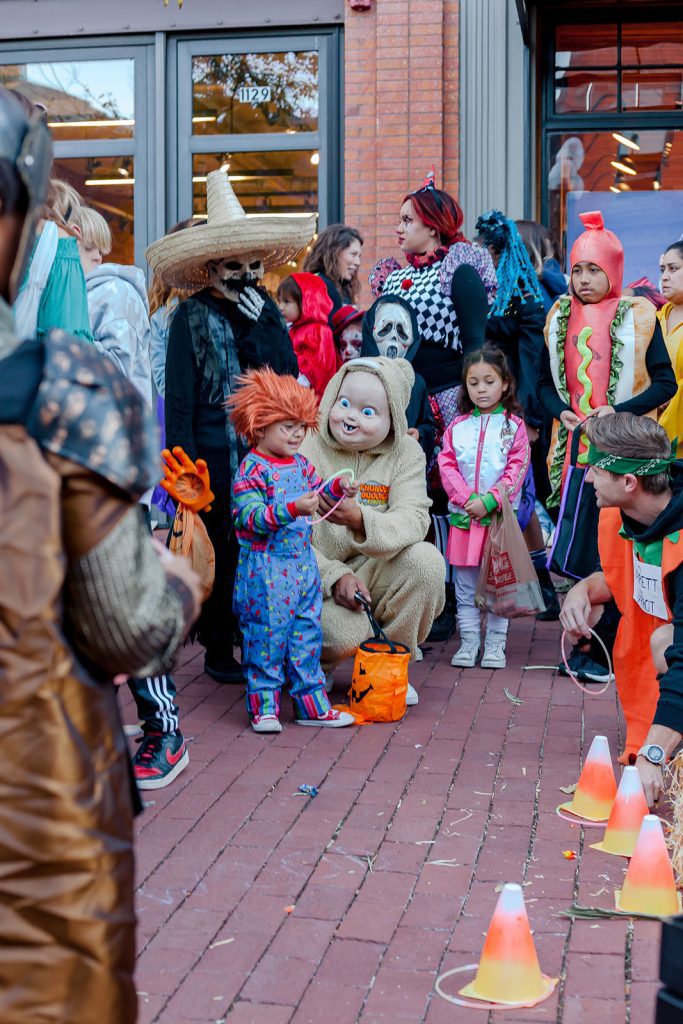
[(401, 112)]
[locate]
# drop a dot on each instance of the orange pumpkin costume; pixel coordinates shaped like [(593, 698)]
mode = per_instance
[(636, 676)]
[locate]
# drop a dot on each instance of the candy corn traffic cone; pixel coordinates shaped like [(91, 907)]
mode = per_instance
[(630, 807), (597, 786), (508, 971), (649, 886)]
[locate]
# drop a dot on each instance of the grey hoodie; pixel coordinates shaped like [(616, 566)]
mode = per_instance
[(119, 315)]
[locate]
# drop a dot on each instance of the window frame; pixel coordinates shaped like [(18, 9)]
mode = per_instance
[(617, 120), (140, 146), (326, 140)]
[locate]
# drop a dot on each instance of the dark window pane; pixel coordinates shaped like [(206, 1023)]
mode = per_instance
[(586, 45), (583, 91), (650, 89), (255, 92), (86, 99), (652, 43), (107, 184)]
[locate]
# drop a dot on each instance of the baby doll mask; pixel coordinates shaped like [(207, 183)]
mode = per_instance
[(393, 330), (360, 417), (231, 277), (350, 341)]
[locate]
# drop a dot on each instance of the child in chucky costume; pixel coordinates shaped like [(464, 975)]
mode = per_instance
[(278, 594)]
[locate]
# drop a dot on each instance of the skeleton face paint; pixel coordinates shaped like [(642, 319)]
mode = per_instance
[(230, 277), (350, 342), (393, 330)]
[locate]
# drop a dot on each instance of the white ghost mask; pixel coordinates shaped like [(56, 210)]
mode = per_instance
[(230, 277), (393, 330)]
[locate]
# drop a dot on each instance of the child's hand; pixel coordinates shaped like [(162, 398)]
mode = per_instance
[(414, 432), (307, 504), (604, 410), (476, 508), (350, 490), (570, 419)]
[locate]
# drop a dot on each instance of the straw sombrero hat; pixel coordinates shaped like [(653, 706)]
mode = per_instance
[(180, 259)]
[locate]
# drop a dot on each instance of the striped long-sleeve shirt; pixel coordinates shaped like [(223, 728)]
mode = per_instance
[(265, 493)]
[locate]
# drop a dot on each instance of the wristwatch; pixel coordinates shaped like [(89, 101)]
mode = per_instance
[(653, 753)]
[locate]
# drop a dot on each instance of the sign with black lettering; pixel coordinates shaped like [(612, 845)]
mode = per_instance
[(254, 94)]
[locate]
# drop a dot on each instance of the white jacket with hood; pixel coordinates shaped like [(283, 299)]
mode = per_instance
[(119, 315)]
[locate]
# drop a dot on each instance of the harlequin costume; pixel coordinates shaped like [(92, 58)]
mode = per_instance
[(629, 549), (606, 353), (278, 595), (311, 334)]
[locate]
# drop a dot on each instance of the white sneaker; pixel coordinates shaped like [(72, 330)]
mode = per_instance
[(419, 656), (266, 723), (411, 697), (332, 719), (494, 650), (468, 652)]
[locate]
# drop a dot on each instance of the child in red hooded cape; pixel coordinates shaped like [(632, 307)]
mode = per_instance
[(305, 304), (605, 351)]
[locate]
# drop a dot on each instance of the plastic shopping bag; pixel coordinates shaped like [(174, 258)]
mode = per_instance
[(507, 584)]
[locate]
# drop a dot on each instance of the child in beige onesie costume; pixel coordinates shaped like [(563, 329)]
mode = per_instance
[(374, 543)]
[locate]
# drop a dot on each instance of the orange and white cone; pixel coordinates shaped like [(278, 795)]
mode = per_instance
[(630, 807), (649, 886), (597, 786), (509, 972)]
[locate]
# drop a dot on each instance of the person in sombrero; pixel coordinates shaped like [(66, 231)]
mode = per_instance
[(229, 325)]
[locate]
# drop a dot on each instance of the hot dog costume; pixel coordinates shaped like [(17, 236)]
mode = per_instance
[(405, 575), (610, 352)]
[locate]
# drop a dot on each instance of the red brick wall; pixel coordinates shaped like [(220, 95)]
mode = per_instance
[(401, 112)]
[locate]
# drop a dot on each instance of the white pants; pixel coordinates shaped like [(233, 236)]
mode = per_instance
[(466, 577)]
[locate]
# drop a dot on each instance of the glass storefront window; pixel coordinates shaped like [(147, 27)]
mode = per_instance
[(652, 89), (88, 99), (107, 184), (234, 93), (615, 162)]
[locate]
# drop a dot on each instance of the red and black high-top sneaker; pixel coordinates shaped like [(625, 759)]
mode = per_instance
[(159, 759)]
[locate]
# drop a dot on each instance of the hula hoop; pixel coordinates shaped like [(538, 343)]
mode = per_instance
[(342, 472), (591, 693), (476, 1004), (573, 819)]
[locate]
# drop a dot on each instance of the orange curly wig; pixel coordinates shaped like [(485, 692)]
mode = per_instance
[(264, 398)]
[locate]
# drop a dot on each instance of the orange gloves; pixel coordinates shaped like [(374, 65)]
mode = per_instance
[(187, 483)]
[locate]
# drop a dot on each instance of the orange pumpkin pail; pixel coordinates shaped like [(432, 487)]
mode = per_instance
[(379, 684)]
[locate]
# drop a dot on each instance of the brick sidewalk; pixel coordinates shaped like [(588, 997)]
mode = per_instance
[(392, 869)]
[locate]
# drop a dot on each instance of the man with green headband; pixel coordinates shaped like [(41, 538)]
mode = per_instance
[(639, 489)]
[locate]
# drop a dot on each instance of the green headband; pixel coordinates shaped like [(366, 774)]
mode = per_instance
[(638, 467)]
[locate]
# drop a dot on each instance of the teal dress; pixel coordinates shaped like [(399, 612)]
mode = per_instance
[(64, 302)]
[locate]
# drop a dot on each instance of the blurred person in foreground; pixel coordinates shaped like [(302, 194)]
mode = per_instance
[(639, 488), (83, 597)]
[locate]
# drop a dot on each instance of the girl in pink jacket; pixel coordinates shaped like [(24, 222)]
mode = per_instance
[(485, 452)]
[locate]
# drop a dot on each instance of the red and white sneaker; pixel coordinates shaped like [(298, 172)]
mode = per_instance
[(332, 719), (159, 759), (266, 723)]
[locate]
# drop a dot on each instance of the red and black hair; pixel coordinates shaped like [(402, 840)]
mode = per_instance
[(264, 398), (437, 209)]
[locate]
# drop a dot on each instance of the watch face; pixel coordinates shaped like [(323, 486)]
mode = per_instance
[(655, 754)]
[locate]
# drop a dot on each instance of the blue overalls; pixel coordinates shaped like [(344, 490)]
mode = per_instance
[(278, 598)]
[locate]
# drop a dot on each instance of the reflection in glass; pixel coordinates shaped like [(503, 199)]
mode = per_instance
[(583, 91), (265, 183), (586, 45), (652, 89), (107, 184), (608, 162), (87, 99), (254, 92), (650, 43)]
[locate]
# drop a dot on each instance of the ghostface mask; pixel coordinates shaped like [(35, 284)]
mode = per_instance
[(231, 277), (393, 330)]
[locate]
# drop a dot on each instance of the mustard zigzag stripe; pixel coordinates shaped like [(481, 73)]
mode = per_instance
[(586, 354)]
